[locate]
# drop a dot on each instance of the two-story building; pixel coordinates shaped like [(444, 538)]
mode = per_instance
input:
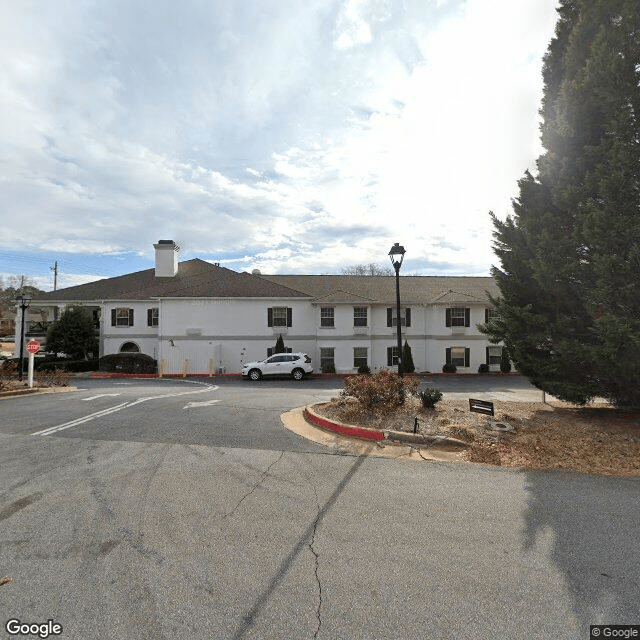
[(199, 317)]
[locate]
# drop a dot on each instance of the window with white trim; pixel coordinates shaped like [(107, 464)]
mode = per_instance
[(359, 316), (327, 316), (458, 317), (359, 357), (392, 356), (327, 359), (494, 355), (392, 316), (121, 317), (459, 356), (152, 316), (279, 316)]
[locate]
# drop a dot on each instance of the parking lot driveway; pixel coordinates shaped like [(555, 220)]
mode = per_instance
[(116, 523), (226, 413)]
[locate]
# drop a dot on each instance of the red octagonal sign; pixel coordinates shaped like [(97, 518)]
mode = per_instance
[(33, 346)]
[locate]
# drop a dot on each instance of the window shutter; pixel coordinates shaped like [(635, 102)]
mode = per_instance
[(270, 317), (467, 317), (113, 317), (407, 315), (486, 314), (149, 317), (289, 317), (131, 317), (487, 355), (448, 356), (389, 356), (467, 354), (389, 317), (448, 318)]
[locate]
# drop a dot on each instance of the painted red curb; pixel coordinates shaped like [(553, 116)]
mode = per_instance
[(357, 432)]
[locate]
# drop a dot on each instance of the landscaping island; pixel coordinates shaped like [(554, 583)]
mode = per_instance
[(596, 439)]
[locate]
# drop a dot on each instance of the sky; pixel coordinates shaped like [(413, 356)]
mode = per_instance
[(291, 137)]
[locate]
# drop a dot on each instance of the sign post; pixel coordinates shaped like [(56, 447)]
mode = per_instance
[(481, 406), (33, 346)]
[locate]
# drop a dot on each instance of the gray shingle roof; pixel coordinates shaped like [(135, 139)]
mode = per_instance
[(382, 289)]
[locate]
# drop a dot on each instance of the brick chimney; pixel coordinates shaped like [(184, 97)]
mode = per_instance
[(166, 258)]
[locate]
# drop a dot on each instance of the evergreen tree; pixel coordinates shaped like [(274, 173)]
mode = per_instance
[(74, 334), (407, 359), (570, 255), (279, 348)]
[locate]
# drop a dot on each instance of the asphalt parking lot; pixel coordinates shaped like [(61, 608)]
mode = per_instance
[(223, 412), (137, 509)]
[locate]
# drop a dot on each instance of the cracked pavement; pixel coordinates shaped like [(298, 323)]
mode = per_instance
[(142, 525)]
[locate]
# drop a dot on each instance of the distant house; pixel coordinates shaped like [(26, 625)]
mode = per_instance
[(198, 317)]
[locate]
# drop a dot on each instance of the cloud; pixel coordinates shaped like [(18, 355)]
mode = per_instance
[(290, 137)]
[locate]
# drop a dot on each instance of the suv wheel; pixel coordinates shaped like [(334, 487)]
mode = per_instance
[(255, 374), (297, 374)]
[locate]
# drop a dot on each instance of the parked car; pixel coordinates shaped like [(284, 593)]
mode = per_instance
[(280, 364)]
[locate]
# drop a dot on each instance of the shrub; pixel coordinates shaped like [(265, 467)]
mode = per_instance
[(328, 368), (384, 389), (505, 363), (279, 348), (430, 397), (52, 378), (407, 359), (128, 363), (67, 365), (364, 369), (8, 371), (483, 368), (449, 368)]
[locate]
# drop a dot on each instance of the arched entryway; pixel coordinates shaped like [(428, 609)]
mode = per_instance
[(129, 347)]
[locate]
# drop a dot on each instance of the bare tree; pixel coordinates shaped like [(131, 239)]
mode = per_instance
[(370, 269)]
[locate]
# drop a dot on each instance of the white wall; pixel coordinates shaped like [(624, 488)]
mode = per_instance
[(203, 335)]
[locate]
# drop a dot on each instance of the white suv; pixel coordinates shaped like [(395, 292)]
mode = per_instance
[(280, 364)]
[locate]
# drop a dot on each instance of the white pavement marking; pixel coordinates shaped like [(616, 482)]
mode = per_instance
[(101, 395), (73, 423), (206, 403), (125, 405)]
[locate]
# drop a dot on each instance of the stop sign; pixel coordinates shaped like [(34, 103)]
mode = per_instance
[(33, 346)]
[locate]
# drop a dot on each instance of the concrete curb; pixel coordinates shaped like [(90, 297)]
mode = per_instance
[(18, 392), (340, 428), (418, 438), (374, 434), (36, 390), (339, 376)]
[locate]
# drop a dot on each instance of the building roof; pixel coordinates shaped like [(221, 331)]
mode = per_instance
[(382, 289), (200, 279), (195, 278)]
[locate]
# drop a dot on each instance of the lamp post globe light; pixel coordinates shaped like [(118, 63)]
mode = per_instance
[(397, 256), (23, 302)]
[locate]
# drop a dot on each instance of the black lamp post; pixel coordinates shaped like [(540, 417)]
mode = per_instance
[(397, 256), (23, 303)]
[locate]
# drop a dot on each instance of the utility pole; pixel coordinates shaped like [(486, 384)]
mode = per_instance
[(55, 286)]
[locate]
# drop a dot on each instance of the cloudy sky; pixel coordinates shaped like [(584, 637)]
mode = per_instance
[(293, 137)]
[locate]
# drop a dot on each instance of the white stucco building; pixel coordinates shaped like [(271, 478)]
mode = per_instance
[(198, 317)]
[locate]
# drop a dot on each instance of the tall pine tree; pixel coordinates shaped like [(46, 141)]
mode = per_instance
[(570, 255)]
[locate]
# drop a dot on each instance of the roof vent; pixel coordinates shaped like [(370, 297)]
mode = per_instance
[(166, 258), (256, 272)]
